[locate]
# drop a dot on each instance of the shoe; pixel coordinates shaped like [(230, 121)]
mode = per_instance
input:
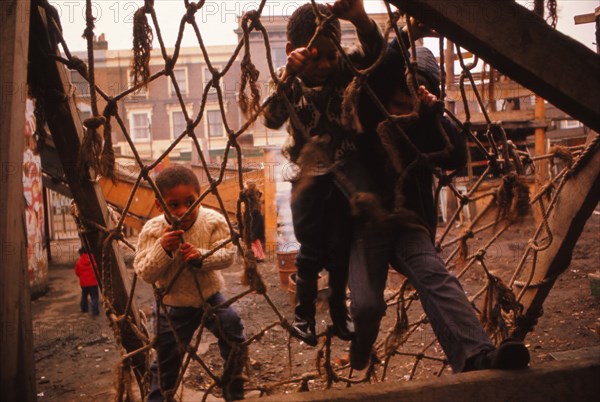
[(304, 330), (343, 327), (510, 355), (359, 356)]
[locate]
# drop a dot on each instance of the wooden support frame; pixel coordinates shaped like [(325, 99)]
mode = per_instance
[(17, 370), (522, 46), (566, 222), (67, 131)]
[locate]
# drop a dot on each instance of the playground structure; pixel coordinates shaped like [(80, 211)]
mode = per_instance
[(563, 216)]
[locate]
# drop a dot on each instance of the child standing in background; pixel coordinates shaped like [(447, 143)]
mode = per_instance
[(88, 282)]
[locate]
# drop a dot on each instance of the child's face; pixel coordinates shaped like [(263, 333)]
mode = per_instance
[(178, 200), (323, 65)]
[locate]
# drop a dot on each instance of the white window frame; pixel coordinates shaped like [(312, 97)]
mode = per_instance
[(275, 49), (177, 109), (140, 93), (207, 125), (130, 116), (183, 88)]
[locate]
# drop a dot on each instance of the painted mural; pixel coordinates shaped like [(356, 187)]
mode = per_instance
[(34, 207)]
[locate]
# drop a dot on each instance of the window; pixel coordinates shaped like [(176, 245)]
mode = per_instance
[(565, 124), (178, 123), (279, 56), (139, 126), (181, 78), (214, 123)]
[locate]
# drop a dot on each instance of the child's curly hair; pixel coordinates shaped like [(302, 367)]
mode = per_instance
[(303, 23), (176, 175)]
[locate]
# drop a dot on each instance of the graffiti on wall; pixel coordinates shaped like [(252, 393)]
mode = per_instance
[(34, 206)]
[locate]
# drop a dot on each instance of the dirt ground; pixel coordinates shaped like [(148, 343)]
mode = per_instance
[(76, 354)]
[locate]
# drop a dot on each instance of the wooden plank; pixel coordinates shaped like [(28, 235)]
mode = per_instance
[(522, 46), (566, 222), (17, 371), (66, 128)]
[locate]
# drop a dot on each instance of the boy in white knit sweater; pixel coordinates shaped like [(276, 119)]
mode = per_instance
[(169, 255)]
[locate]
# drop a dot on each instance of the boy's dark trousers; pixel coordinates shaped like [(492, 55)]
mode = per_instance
[(412, 253), (92, 291), (322, 225), (226, 325)]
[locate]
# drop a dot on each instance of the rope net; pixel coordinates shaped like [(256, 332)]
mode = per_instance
[(409, 343)]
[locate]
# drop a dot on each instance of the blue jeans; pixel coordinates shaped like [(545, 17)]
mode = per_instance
[(226, 325), (411, 252), (92, 291)]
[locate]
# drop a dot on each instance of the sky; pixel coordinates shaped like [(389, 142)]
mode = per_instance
[(218, 19)]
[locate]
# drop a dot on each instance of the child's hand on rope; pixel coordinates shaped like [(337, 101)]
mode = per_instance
[(171, 240), (191, 254), (353, 11), (298, 60)]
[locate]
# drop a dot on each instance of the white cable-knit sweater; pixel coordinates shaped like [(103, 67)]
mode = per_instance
[(154, 265)]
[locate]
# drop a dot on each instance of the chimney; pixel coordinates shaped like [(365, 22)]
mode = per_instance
[(101, 43)]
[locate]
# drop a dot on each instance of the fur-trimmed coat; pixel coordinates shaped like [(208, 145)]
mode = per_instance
[(154, 265)]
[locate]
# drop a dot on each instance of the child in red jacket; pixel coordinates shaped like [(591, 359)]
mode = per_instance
[(88, 282)]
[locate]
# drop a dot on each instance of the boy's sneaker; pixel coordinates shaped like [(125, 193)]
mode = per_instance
[(510, 355), (304, 330)]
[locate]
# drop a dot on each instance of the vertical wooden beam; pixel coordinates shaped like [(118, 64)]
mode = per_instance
[(522, 46), (51, 83), (17, 371)]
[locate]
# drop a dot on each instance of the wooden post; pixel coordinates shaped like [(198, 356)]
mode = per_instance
[(17, 370), (51, 82)]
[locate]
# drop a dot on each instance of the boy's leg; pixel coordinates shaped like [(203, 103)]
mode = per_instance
[(227, 326), (369, 259), (452, 317), (308, 218), (339, 236), (83, 302), (94, 297), (185, 321)]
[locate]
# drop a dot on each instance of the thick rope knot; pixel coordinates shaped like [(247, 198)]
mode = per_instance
[(142, 45), (513, 198), (91, 146), (75, 63), (169, 65), (350, 101), (107, 159), (250, 74), (250, 276), (563, 154), (254, 17), (94, 122), (190, 13), (499, 302), (148, 6)]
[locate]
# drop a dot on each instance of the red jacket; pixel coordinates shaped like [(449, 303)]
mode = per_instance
[(85, 272)]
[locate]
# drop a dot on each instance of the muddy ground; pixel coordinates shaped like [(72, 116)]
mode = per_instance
[(76, 354)]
